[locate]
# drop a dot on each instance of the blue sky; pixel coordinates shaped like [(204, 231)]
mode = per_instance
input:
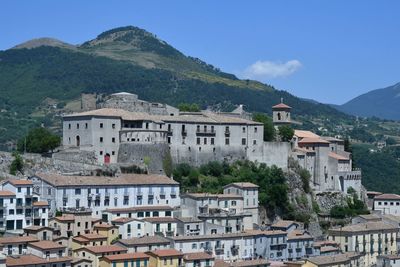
[(330, 51)]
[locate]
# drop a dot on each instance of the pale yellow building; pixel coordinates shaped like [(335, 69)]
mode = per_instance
[(165, 258), (86, 240), (371, 239), (108, 230), (95, 253), (138, 259)]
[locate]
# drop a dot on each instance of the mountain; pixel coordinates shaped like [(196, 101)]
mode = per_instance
[(382, 103), (41, 78)]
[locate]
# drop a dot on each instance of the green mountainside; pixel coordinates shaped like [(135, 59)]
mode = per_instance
[(38, 78)]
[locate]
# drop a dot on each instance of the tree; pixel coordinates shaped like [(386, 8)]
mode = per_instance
[(167, 164), (188, 107), (17, 164), (286, 133), (269, 130), (347, 145), (39, 140)]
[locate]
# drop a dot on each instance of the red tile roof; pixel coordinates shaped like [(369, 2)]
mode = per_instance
[(45, 244), (166, 253), (6, 193), (197, 256), (126, 256), (281, 106), (104, 249), (388, 197), (312, 140), (40, 203), (20, 182), (17, 239), (30, 260)]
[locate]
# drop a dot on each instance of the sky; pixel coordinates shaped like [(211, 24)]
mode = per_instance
[(329, 51)]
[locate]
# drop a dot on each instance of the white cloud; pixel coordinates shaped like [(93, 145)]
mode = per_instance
[(271, 69)]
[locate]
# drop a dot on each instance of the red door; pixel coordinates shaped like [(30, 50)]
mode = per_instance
[(107, 158)]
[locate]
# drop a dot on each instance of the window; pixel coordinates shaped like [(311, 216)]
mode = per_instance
[(227, 141), (77, 191), (101, 152), (77, 126), (244, 129), (255, 129), (101, 139), (212, 141), (254, 142), (113, 125), (243, 141), (115, 202), (49, 191), (113, 139), (198, 140), (19, 189), (205, 141), (69, 126), (113, 153), (86, 125), (101, 125)]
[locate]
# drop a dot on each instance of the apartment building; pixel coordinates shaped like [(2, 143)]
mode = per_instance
[(129, 227), (40, 232), (270, 244), (47, 249), (144, 243), (224, 210), (20, 207), (387, 204), (100, 192), (199, 259), (95, 253), (126, 259), (16, 245), (139, 212), (164, 226), (165, 258), (371, 238)]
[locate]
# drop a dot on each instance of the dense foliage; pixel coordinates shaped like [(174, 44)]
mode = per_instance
[(353, 208), (286, 133), (211, 177), (189, 107), (380, 168), (39, 140), (17, 164), (269, 130)]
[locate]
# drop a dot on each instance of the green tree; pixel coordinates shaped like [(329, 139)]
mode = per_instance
[(17, 165), (189, 107), (269, 130), (39, 140), (286, 133)]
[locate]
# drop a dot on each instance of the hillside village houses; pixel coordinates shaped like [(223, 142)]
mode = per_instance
[(144, 220)]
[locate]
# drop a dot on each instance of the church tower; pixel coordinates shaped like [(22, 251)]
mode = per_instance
[(281, 114)]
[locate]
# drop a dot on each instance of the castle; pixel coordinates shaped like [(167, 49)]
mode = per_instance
[(125, 130)]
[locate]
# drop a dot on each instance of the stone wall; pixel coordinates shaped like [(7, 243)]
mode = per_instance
[(134, 154)]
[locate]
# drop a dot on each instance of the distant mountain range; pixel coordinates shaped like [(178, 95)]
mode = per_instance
[(40, 77), (382, 103)]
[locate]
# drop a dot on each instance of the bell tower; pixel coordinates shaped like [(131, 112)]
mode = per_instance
[(281, 114)]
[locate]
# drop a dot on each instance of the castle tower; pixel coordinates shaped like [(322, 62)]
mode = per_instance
[(281, 114)]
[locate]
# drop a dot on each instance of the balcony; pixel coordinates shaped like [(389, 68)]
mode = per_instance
[(19, 205), (227, 132), (219, 250), (205, 132)]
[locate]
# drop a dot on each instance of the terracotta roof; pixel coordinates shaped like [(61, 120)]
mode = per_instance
[(29, 260), (45, 244), (325, 243), (40, 203), (197, 256), (243, 185), (166, 253), (281, 106), (35, 228), (305, 134), (144, 240), (312, 140), (123, 179), (329, 249), (332, 139), (89, 237), (241, 263), (331, 260), (126, 256), (104, 249), (387, 197), (299, 235), (6, 193), (364, 227), (19, 182), (141, 208), (284, 224), (103, 225), (124, 220), (160, 220), (17, 239), (374, 193), (65, 217), (337, 156), (198, 117)]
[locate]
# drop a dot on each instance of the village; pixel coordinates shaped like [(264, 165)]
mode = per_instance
[(77, 217)]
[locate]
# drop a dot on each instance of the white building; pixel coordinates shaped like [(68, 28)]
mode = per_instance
[(21, 207), (100, 193), (387, 204)]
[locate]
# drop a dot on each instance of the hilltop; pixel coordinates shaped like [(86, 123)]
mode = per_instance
[(382, 103), (39, 78)]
